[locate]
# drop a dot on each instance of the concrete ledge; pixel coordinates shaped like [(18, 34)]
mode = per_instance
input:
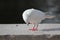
[(22, 29)]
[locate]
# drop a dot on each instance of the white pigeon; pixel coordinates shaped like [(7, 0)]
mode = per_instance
[(34, 16)]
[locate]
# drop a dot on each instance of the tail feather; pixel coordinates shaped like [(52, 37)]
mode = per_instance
[(50, 16)]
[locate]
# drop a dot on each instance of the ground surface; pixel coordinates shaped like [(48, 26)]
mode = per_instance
[(21, 32), (23, 29)]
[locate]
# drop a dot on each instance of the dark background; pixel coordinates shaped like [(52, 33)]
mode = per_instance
[(11, 10)]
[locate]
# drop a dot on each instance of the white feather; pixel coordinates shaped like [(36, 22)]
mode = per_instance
[(33, 16)]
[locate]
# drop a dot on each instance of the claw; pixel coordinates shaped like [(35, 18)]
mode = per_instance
[(34, 29)]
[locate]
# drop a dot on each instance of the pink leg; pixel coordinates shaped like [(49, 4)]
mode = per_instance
[(34, 28)]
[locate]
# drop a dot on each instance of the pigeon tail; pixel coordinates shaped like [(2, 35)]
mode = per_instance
[(50, 16)]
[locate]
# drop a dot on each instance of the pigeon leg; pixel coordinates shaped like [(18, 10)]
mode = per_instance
[(34, 28)]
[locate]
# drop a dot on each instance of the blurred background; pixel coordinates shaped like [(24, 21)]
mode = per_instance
[(11, 10)]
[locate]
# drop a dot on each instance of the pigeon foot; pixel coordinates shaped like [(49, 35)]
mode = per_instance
[(34, 29)]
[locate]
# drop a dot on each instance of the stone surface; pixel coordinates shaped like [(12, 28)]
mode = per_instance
[(23, 29)]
